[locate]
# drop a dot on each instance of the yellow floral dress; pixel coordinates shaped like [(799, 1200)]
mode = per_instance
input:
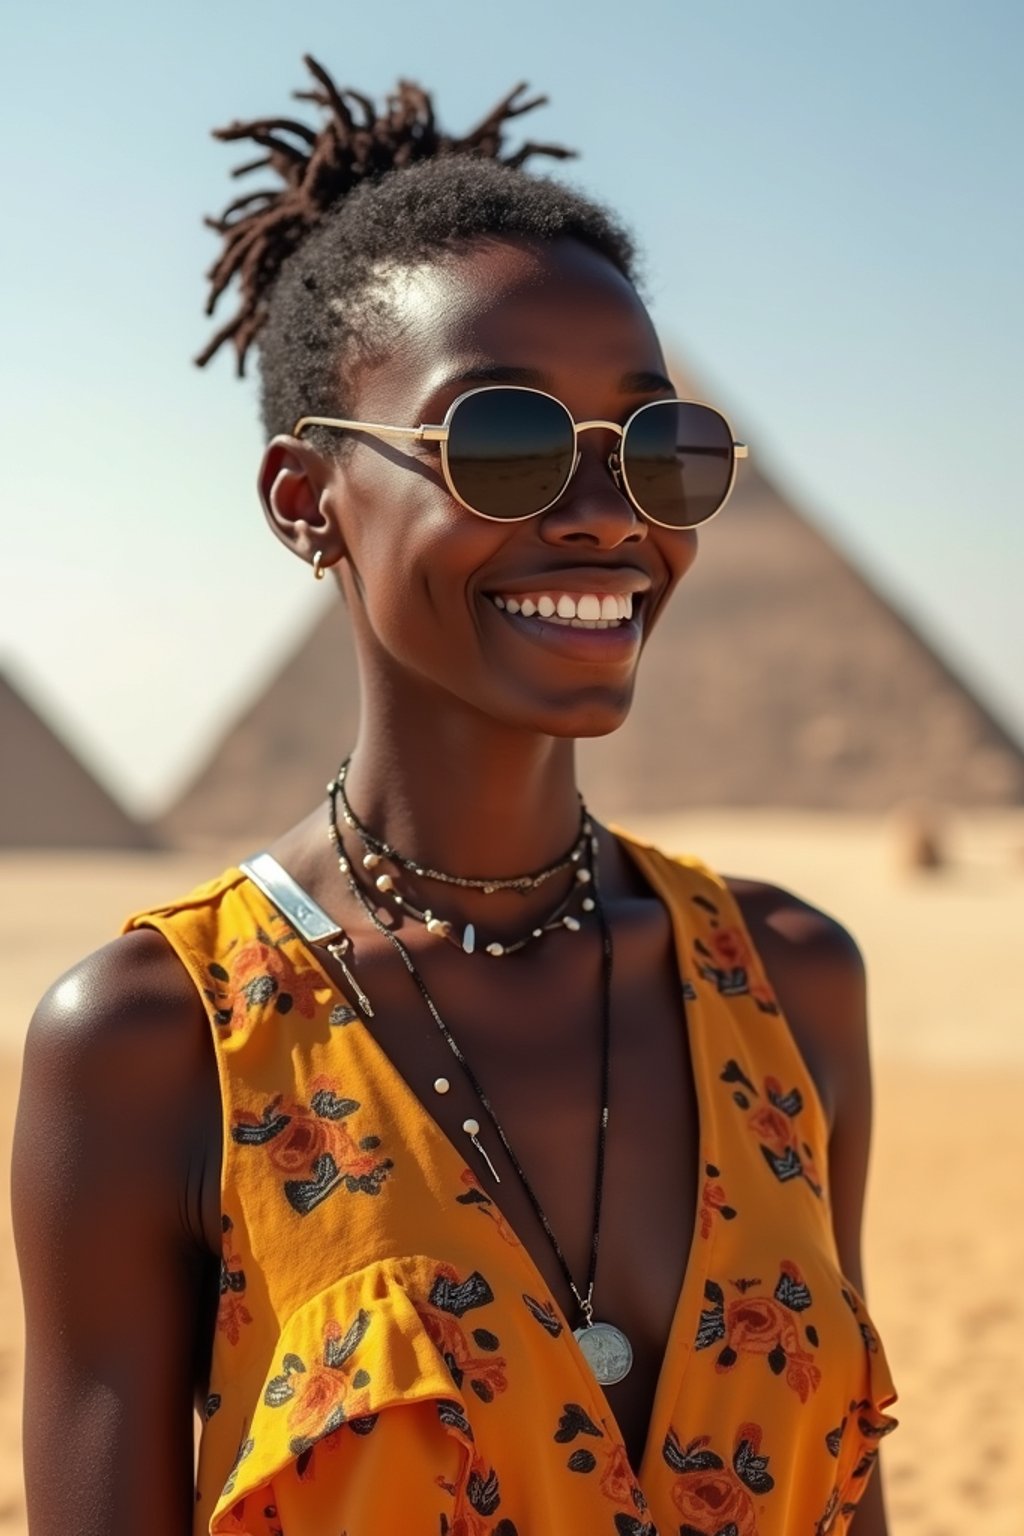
[(389, 1361)]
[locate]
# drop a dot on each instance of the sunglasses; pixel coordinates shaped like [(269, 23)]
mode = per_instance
[(508, 453)]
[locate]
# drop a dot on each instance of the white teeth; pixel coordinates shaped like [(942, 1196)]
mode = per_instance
[(589, 610)]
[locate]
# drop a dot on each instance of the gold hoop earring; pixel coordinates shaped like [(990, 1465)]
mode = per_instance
[(318, 565)]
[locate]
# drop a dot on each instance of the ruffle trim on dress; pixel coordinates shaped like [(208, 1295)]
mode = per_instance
[(867, 1422), (357, 1351)]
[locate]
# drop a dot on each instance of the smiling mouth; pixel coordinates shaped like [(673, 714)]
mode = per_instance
[(585, 610)]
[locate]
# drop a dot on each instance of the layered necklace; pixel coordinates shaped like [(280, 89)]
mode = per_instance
[(605, 1347), (376, 852)]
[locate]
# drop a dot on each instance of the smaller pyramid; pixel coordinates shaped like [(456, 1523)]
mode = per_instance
[(48, 798)]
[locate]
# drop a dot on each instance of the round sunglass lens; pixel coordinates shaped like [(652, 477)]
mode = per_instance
[(677, 460), (510, 451)]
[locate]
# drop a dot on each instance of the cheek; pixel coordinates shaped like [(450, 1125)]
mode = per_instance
[(415, 553), (678, 552)]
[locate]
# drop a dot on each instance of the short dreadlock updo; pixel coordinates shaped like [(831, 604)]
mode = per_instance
[(366, 193)]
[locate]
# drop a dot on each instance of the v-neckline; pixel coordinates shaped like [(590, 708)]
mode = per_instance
[(682, 1329)]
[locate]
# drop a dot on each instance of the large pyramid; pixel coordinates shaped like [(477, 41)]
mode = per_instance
[(778, 677), (48, 799)]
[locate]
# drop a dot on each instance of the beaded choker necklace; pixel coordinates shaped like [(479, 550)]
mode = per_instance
[(376, 852)]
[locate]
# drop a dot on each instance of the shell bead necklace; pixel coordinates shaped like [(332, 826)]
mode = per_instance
[(442, 928), (376, 851)]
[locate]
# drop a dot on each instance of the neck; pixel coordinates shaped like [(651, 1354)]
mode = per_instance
[(458, 791)]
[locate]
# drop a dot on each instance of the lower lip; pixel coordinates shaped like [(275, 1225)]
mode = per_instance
[(617, 643)]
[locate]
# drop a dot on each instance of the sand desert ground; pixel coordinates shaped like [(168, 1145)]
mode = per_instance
[(944, 1241)]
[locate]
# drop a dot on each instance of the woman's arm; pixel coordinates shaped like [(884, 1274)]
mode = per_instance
[(817, 973), (107, 1195)]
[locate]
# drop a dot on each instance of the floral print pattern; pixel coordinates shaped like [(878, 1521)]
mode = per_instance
[(774, 1123), (256, 974), (232, 1312), (596, 1454), (321, 1396), (479, 1365), (244, 1450), (763, 1325), (477, 1196), (712, 1199), (713, 1498), (312, 1146), (725, 957), (483, 1497)]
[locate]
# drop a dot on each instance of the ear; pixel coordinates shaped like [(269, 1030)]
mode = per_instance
[(293, 484)]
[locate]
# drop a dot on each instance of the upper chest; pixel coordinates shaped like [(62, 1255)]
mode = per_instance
[(527, 1069)]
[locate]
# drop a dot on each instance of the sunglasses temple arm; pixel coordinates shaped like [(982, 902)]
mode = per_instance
[(424, 434)]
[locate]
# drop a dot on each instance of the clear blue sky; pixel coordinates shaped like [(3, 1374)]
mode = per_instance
[(830, 198)]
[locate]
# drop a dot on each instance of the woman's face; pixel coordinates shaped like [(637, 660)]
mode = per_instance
[(421, 573)]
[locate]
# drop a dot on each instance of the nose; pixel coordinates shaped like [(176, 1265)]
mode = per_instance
[(593, 509)]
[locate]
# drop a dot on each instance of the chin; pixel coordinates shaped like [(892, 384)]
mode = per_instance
[(595, 715)]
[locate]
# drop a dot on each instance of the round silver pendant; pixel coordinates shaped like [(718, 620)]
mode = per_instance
[(606, 1350)]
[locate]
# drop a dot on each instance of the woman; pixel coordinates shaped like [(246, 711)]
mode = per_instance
[(473, 1168)]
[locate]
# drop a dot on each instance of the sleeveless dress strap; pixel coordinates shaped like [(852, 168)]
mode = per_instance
[(306, 916)]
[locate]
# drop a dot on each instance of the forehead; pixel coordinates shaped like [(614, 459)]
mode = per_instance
[(560, 310)]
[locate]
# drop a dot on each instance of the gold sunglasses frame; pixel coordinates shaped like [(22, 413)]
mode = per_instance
[(439, 433)]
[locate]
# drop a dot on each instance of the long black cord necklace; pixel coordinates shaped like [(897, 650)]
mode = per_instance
[(605, 1347)]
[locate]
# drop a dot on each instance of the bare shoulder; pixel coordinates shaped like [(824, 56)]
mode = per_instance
[(128, 1008), (782, 918), (120, 1040), (816, 970), (111, 1181), (136, 981)]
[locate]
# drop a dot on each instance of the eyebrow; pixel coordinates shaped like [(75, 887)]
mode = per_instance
[(642, 382)]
